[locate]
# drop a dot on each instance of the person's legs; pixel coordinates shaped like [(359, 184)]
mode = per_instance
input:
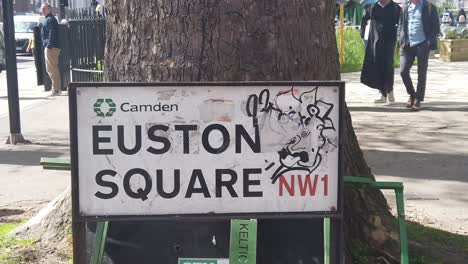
[(406, 62), (389, 71), (51, 56), (382, 55), (423, 57)]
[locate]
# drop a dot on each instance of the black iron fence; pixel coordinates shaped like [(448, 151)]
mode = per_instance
[(87, 44)]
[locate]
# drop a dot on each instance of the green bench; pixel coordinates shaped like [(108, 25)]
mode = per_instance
[(351, 181)]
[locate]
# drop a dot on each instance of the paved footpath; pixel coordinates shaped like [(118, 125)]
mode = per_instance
[(427, 150), (44, 121)]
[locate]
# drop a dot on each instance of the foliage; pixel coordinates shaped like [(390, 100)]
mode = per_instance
[(10, 244), (455, 34), (354, 51), (361, 253)]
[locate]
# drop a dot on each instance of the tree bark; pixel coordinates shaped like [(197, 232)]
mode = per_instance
[(243, 40)]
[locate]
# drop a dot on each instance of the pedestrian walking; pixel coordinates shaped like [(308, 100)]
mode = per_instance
[(377, 70), (418, 30), (461, 18), (94, 4), (51, 48), (100, 10), (447, 17)]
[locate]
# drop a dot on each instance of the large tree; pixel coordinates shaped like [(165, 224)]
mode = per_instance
[(243, 40)]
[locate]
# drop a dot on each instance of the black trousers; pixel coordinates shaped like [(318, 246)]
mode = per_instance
[(408, 54), (385, 51)]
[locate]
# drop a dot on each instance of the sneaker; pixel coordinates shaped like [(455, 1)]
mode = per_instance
[(381, 100), (390, 97), (416, 106), (56, 93), (410, 102)]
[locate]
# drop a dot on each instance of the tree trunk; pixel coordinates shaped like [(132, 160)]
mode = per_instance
[(243, 40)]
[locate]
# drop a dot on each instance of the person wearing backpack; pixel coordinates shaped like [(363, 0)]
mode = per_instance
[(461, 18), (377, 70), (418, 30)]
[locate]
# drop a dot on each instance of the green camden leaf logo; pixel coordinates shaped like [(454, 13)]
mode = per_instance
[(100, 104)]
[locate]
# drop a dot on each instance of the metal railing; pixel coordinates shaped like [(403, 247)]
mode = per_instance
[(87, 40)]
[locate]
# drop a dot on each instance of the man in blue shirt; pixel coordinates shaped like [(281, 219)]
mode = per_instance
[(50, 41), (418, 30)]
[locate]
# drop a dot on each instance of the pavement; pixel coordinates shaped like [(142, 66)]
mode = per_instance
[(426, 150), (44, 121)]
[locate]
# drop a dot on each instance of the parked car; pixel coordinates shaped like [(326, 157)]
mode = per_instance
[(24, 28)]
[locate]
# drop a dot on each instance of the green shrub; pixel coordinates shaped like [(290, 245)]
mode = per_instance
[(354, 51)]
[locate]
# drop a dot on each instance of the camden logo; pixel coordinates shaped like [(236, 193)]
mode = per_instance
[(104, 104)]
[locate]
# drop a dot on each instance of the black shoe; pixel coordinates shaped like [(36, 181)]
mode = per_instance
[(410, 102), (416, 106)]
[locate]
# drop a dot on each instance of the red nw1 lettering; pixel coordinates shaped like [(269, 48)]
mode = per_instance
[(303, 186), (325, 185), (284, 183)]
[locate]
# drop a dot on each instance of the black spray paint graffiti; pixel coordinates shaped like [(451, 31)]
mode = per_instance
[(295, 112)]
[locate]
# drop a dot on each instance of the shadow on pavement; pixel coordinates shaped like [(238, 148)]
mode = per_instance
[(8, 212), (26, 157), (26, 98), (413, 165), (400, 107)]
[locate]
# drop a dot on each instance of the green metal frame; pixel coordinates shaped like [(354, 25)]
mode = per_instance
[(356, 182), (365, 182), (100, 242)]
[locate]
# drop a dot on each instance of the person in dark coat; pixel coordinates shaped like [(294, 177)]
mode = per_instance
[(377, 70)]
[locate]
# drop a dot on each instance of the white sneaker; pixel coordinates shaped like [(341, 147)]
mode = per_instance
[(381, 100), (55, 93), (391, 97)]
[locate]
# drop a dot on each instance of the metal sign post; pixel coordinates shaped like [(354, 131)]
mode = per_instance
[(12, 74), (175, 151), (341, 33)]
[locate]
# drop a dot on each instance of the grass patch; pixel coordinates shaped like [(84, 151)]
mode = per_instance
[(9, 244), (354, 51), (5, 228), (429, 246), (424, 234), (434, 241)]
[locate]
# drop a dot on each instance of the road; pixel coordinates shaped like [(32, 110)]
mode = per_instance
[(29, 92), (24, 61)]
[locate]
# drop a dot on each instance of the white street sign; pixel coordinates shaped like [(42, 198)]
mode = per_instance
[(209, 149)]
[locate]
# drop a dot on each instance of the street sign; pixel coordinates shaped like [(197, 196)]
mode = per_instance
[(206, 149), (243, 242), (202, 261)]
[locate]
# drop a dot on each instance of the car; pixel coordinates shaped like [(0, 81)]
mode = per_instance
[(24, 27)]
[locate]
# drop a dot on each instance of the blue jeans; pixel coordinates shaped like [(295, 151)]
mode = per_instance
[(420, 51)]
